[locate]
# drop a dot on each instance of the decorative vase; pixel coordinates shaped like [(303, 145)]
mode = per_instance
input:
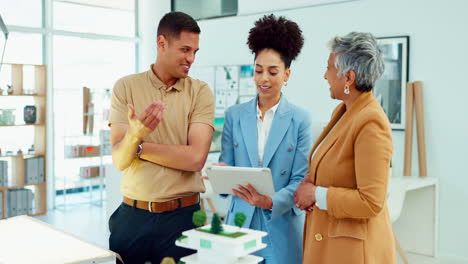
[(30, 114)]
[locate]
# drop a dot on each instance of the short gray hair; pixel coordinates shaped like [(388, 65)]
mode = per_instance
[(360, 53)]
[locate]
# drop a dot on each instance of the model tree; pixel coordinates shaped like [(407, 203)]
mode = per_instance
[(239, 219), (199, 218), (216, 226)]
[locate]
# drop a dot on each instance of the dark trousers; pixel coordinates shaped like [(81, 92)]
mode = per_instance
[(140, 236)]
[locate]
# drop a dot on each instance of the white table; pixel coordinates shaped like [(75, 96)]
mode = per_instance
[(26, 240), (417, 226)]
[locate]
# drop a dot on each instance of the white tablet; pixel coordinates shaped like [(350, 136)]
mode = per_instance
[(225, 178)]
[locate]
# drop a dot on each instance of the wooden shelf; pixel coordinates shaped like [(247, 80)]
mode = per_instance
[(36, 214), (22, 95), (21, 186), (25, 64), (22, 125), (17, 162), (85, 157), (22, 155)]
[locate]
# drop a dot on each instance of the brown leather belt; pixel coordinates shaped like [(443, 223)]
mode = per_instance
[(171, 205)]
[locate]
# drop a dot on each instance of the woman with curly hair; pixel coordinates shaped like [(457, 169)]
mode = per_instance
[(270, 132)]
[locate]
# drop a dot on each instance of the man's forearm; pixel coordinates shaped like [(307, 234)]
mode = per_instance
[(181, 157), (123, 153)]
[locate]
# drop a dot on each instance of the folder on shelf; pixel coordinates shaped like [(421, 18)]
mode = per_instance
[(27, 174), (5, 172), (7, 204), (27, 180), (20, 201), (25, 201), (24, 196), (1, 173), (14, 200), (30, 201), (11, 202), (1, 205), (29, 170), (34, 170), (41, 171)]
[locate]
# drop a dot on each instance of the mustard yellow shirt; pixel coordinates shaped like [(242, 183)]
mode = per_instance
[(187, 101)]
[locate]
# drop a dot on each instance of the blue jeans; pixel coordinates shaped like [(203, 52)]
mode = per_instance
[(139, 236)]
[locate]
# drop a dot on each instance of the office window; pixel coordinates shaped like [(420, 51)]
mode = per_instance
[(203, 9), (92, 43), (96, 18), (102, 52), (115, 4), (27, 13), (23, 48), (82, 62), (96, 63)]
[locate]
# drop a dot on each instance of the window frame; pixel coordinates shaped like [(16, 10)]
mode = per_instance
[(47, 33)]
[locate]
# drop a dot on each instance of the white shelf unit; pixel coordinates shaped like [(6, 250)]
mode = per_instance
[(82, 154)]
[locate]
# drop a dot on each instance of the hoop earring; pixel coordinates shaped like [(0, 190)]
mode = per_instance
[(346, 89), (285, 83)]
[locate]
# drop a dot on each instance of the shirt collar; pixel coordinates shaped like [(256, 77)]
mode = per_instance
[(273, 109), (179, 85)]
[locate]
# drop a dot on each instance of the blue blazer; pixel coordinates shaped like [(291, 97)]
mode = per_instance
[(286, 152)]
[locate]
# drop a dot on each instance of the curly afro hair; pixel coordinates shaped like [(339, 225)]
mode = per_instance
[(279, 34)]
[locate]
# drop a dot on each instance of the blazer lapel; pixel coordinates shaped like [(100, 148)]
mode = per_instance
[(248, 123), (279, 126), (328, 139), (336, 127)]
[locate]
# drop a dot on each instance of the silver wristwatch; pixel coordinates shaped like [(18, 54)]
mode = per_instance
[(139, 150)]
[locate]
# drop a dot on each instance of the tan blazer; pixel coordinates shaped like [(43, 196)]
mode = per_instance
[(353, 162)]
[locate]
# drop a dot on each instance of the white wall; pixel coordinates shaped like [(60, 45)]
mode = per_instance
[(245, 7), (438, 57), (149, 14)]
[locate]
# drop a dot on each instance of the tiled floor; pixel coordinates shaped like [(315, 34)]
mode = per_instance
[(87, 222)]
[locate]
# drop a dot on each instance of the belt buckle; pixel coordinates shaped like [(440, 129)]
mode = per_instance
[(149, 207)]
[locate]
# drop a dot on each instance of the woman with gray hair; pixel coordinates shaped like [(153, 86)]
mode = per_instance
[(344, 192)]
